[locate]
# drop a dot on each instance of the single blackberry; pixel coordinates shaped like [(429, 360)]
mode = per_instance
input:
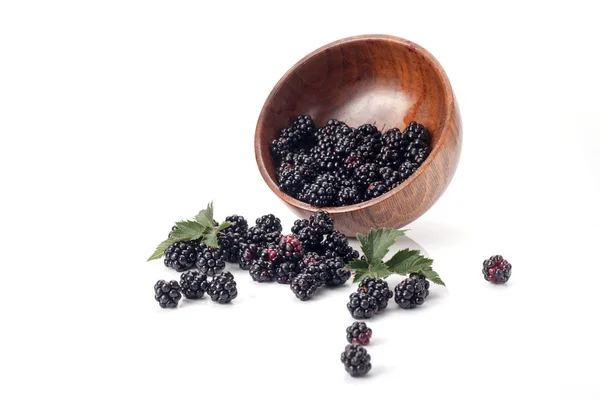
[(248, 253), (210, 260), (356, 360), (305, 125), (311, 257), (256, 235), (181, 256), (370, 146), (322, 192), (291, 248), (362, 305), (269, 223), (412, 291), (281, 147), (377, 288), (307, 234), (331, 271), (231, 238), (346, 141), (263, 271), (496, 269), (359, 333), (304, 286), (353, 160), (394, 147), (375, 189), (407, 169), (222, 288), (287, 271), (365, 174), (193, 284), (336, 245), (167, 294), (291, 179), (330, 129), (419, 141), (321, 222), (349, 193), (326, 158), (390, 177)]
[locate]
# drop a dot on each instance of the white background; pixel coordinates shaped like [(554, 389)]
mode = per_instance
[(120, 117)]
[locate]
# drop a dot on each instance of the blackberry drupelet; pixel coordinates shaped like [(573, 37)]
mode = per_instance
[(181, 256), (412, 291), (365, 174), (362, 305), (321, 222), (269, 223), (248, 253), (193, 284), (263, 271), (359, 333), (287, 271), (210, 261), (496, 269), (167, 294), (222, 289), (291, 248), (336, 245), (377, 288), (231, 238), (304, 286), (356, 360)]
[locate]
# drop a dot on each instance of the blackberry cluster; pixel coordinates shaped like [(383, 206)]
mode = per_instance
[(193, 284), (359, 333), (412, 291), (362, 305), (338, 165), (223, 288), (305, 285), (210, 261), (181, 256), (496, 269), (356, 360), (231, 238), (167, 294), (377, 288)]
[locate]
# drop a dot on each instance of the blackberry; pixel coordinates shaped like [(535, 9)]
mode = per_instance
[(353, 161), (305, 125), (321, 222), (412, 291), (271, 253), (322, 192), (223, 288), (325, 156), (407, 169), (346, 141), (336, 245), (390, 177), (231, 238), (356, 360), (280, 148), (359, 333), (269, 223), (419, 140), (349, 193), (291, 179), (331, 272), (365, 174), (304, 286), (307, 234), (287, 271), (362, 305), (331, 128), (394, 147), (496, 269), (377, 288), (248, 253), (370, 145), (181, 256), (375, 189), (311, 257), (256, 235), (167, 294), (291, 248), (210, 260), (193, 284), (263, 271)]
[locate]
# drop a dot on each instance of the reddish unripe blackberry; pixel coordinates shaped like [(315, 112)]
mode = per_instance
[(412, 291), (248, 253), (167, 294), (359, 333), (291, 248), (210, 261), (356, 360), (496, 269), (304, 286), (193, 284)]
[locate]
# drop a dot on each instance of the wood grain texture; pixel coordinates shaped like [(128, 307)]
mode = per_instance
[(377, 79)]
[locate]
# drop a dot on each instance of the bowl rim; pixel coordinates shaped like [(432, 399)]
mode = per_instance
[(448, 98)]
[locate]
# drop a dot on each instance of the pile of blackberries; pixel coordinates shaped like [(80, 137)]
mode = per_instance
[(221, 288), (339, 165)]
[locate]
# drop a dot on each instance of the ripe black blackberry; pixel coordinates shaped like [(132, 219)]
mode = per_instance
[(370, 142), (336, 245), (348, 194), (394, 147), (407, 169), (365, 174), (304, 286), (248, 253), (307, 234), (291, 248), (281, 147), (286, 271), (291, 179), (331, 271), (181, 256), (326, 158), (210, 261), (377, 288), (375, 189), (359, 333), (269, 223), (263, 271), (231, 238), (353, 160), (390, 177), (311, 257), (167, 294), (362, 305), (320, 193), (496, 269), (321, 222), (256, 235), (305, 125), (419, 141), (356, 360), (330, 129), (412, 291), (193, 284), (223, 288)]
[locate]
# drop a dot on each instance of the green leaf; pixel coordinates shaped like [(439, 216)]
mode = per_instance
[(378, 241), (404, 261), (432, 276), (211, 239), (379, 269), (205, 217), (225, 224), (187, 230), (359, 267), (160, 249)]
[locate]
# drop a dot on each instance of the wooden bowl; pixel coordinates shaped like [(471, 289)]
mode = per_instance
[(377, 79)]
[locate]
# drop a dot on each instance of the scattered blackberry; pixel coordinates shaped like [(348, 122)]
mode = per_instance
[(412, 291), (231, 238), (210, 261), (496, 269), (269, 223), (222, 288), (362, 305), (309, 237), (377, 288), (366, 173), (332, 272), (356, 360), (256, 235), (311, 257), (287, 271), (263, 271), (291, 248), (304, 286), (359, 333), (271, 253), (321, 222), (167, 294), (193, 284), (336, 245), (248, 253), (181, 256)]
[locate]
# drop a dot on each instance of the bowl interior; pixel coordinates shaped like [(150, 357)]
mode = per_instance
[(384, 81)]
